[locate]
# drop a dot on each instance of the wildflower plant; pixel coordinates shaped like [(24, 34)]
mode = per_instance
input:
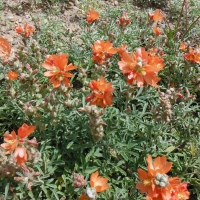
[(108, 112)]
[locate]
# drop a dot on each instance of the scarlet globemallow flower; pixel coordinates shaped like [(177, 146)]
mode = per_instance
[(92, 16), (156, 16), (11, 142), (58, 69), (20, 155), (12, 75), (157, 30), (193, 55), (180, 192), (5, 48), (24, 131), (26, 30), (12, 139), (155, 183), (183, 46), (156, 51), (16, 142), (97, 184), (102, 93), (141, 68), (102, 50), (121, 49), (123, 21)]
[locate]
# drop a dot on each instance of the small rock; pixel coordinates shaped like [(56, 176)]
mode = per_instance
[(71, 4), (115, 3), (14, 43), (2, 23), (11, 18)]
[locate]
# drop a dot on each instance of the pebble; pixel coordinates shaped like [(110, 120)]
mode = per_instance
[(2, 23), (11, 18), (71, 4), (115, 3)]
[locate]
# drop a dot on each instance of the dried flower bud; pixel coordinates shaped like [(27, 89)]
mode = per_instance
[(79, 180)]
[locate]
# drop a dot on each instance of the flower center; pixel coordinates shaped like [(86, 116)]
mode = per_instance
[(138, 67), (147, 182), (161, 180), (91, 193), (60, 77), (56, 69), (181, 196), (11, 142)]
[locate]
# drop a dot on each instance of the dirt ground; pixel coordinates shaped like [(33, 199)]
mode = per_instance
[(17, 12)]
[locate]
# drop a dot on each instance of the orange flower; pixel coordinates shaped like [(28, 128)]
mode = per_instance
[(156, 51), (183, 46), (121, 49), (180, 192), (157, 30), (141, 67), (147, 184), (160, 165), (5, 48), (57, 64), (155, 182), (27, 30), (123, 21), (102, 93), (83, 197), (98, 182), (20, 155), (193, 55), (197, 58), (24, 131), (102, 50), (156, 16), (92, 16), (11, 142), (12, 75)]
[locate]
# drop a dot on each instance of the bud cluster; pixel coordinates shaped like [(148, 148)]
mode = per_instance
[(123, 21), (79, 180), (96, 122), (98, 70), (129, 92), (7, 167), (163, 112), (161, 180), (90, 193), (82, 76), (28, 177)]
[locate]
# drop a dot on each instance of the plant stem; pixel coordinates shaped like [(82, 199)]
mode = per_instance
[(180, 16), (190, 27)]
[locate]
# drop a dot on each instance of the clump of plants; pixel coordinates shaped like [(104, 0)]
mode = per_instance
[(113, 114)]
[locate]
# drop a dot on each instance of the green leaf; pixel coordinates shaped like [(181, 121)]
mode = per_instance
[(6, 189), (70, 144), (170, 35), (90, 170), (121, 162), (170, 149), (89, 155)]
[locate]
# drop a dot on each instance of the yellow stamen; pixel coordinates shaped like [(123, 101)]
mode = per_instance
[(181, 196), (11, 141), (147, 182)]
